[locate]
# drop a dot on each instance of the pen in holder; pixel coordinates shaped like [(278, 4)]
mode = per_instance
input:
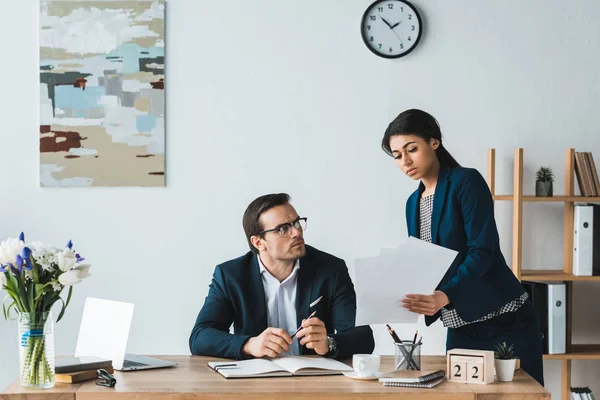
[(407, 355)]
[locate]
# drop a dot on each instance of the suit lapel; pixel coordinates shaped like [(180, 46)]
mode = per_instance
[(259, 307), (439, 201), (413, 208), (304, 289)]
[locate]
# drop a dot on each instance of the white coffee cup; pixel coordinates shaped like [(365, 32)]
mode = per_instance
[(366, 364)]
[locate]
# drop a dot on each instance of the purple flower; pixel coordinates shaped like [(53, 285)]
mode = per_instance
[(24, 263), (79, 258), (22, 237), (5, 268), (26, 253), (70, 245)]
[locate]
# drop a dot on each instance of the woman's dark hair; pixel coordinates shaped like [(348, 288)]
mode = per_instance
[(250, 221), (421, 124)]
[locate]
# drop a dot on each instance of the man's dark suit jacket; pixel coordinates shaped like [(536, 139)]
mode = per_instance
[(236, 295), (479, 281)]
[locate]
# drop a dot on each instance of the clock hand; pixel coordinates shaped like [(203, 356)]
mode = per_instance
[(395, 33), (395, 25), (387, 23)]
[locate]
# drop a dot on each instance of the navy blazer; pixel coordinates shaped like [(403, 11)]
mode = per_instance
[(236, 295), (479, 280)]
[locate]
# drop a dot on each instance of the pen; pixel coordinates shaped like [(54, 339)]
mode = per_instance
[(314, 303), (393, 334), (300, 327), (412, 350), (415, 338)]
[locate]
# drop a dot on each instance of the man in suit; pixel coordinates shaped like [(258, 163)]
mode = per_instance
[(267, 294)]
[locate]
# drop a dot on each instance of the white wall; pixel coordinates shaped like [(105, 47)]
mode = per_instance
[(284, 96)]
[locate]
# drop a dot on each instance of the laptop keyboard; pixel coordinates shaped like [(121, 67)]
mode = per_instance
[(129, 364)]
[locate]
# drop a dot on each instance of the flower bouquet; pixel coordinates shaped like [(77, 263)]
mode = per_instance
[(34, 277)]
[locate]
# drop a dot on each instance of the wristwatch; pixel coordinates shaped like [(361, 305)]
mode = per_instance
[(332, 346)]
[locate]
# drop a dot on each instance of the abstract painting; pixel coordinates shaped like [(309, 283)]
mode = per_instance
[(102, 93)]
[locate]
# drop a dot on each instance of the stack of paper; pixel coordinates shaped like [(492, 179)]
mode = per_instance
[(416, 267)]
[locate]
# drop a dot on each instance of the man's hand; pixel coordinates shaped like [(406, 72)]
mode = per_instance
[(426, 304), (271, 343), (313, 335)]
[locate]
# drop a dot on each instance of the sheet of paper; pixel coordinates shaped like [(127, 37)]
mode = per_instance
[(416, 267)]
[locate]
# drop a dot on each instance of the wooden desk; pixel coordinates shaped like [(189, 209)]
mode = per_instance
[(192, 379)]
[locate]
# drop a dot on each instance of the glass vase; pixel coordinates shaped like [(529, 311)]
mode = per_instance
[(36, 350)]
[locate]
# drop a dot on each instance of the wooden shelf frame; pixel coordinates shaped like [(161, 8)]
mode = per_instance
[(574, 351)]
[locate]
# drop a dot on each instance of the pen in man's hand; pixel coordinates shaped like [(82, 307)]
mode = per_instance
[(300, 327), (314, 303)]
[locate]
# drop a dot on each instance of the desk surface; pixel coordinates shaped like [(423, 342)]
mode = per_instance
[(192, 379)]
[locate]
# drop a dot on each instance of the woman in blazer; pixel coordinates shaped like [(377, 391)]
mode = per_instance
[(479, 299)]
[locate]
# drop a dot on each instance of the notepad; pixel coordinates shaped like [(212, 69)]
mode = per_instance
[(282, 366), (426, 385), (405, 376)]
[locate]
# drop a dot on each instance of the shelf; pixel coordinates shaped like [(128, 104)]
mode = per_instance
[(554, 275), (555, 199), (578, 352)]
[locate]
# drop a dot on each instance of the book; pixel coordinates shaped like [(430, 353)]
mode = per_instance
[(424, 385), (594, 172), (282, 366), (79, 376), (405, 376), (75, 364), (588, 174)]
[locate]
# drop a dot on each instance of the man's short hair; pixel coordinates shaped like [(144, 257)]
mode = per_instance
[(250, 221)]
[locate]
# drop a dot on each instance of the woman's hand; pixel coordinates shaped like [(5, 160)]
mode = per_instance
[(426, 304)]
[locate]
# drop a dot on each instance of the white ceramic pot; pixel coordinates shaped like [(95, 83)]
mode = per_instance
[(505, 369)]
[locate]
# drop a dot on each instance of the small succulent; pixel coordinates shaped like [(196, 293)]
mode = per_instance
[(504, 352), (545, 174)]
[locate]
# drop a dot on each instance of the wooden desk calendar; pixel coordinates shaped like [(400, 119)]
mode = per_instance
[(470, 366)]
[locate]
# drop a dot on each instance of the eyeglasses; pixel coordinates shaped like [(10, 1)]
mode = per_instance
[(286, 229)]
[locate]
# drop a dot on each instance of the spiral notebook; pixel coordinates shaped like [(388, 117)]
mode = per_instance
[(427, 385), (405, 376)]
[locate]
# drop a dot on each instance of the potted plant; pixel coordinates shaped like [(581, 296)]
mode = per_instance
[(505, 361), (543, 182)]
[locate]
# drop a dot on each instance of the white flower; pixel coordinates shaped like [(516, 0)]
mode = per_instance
[(69, 278), (9, 249), (84, 270), (75, 275), (57, 287), (66, 259)]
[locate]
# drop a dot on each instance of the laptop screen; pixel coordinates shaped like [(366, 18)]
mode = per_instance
[(104, 330)]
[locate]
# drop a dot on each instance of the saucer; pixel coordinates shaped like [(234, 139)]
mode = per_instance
[(353, 375)]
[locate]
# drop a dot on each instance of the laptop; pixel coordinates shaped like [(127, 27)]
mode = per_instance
[(104, 332)]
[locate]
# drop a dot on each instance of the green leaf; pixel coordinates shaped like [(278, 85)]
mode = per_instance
[(65, 304), (16, 291), (31, 290), (62, 310)]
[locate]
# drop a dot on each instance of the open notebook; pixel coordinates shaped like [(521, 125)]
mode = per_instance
[(282, 366)]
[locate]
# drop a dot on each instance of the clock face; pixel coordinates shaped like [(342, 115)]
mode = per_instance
[(391, 28)]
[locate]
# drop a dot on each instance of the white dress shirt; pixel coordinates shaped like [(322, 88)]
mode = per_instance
[(280, 298)]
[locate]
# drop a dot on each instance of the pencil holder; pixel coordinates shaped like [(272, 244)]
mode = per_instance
[(407, 355)]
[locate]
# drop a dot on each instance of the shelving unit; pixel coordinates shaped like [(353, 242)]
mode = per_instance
[(574, 352)]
